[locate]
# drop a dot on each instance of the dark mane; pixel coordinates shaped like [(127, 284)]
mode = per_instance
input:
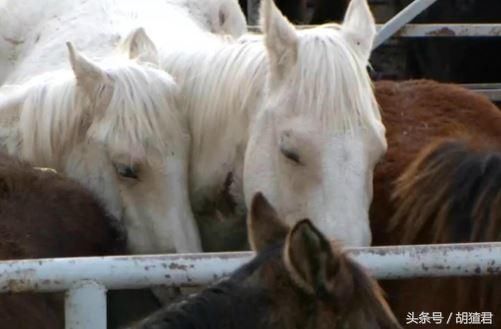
[(438, 183), (452, 194), (454, 188)]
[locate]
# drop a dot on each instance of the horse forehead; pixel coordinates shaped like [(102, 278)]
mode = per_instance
[(328, 36)]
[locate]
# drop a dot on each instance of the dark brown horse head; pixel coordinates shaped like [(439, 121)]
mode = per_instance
[(313, 284), (44, 214), (298, 279)]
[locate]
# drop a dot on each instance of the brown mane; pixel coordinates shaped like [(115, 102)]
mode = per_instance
[(450, 193), (440, 182), (43, 214)]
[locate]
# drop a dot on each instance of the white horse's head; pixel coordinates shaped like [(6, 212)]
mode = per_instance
[(313, 147), (117, 129)]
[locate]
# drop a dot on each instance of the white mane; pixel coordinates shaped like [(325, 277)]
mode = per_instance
[(328, 79), (139, 113), (222, 71), (333, 81)]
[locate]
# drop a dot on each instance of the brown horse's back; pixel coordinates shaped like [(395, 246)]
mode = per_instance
[(42, 215), (415, 113), (440, 182)]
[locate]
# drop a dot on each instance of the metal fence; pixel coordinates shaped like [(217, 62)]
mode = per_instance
[(87, 279), (399, 26)]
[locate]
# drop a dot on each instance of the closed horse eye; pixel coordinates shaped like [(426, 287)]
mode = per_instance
[(291, 155), (127, 171)]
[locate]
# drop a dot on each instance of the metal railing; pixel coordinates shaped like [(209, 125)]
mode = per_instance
[(86, 279), (399, 26)]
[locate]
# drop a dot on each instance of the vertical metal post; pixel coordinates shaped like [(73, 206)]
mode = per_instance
[(399, 20), (85, 306)]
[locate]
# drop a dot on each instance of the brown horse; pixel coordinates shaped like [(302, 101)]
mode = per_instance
[(297, 280), (440, 182), (45, 215)]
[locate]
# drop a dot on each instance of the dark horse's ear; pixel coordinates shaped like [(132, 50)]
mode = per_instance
[(264, 226), (314, 264), (321, 268)]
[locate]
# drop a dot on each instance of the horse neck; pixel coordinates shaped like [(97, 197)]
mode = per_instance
[(222, 85), (239, 301), (162, 28), (224, 306), (91, 26)]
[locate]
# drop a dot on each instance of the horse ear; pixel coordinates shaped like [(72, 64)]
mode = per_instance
[(89, 76), (139, 46), (280, 38), (359, 27), (231, 19), (264, 226), (313, 263)]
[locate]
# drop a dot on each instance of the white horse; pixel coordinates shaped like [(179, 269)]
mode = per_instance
[(294, 117), (114, 125), (33, 32), (117, 129)]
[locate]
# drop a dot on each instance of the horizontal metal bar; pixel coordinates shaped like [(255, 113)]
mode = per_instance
[(490, 90), (128, 272), (399, 20), (468, 259), (493, 94), (433, 30), (450, 30), (481, 85), (118, 272)]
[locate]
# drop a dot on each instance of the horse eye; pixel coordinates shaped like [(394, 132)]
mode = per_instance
[(291, 155), (127, 171)]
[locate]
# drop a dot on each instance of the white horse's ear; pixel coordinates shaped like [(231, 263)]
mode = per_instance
[(281, 39), (89, 76), (359, 27), (230, 19), (139, 46)]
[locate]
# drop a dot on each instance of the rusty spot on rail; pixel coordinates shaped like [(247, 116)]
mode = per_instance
[(443, 32), (176, 266)]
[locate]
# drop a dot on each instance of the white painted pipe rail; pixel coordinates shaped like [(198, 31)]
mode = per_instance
[(85, 280), (449, 30), (129, 272), (430, 30)]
